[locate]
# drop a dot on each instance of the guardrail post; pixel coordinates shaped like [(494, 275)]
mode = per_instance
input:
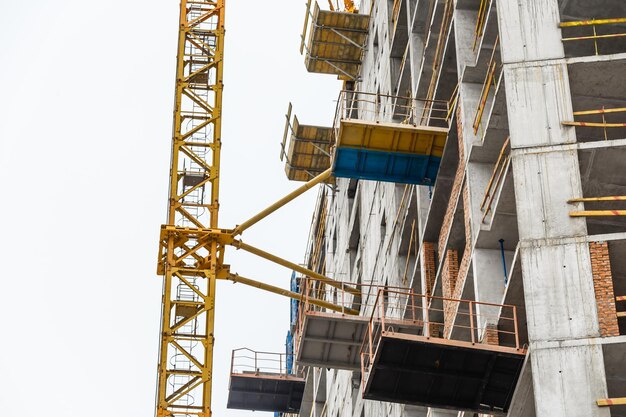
[(425, 307), (515, 325), (471, 316)]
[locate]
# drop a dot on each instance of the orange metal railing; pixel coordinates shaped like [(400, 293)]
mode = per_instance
[(246, 361), (406, 312)]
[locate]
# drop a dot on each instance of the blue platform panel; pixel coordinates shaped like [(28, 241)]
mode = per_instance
[(386, 166)]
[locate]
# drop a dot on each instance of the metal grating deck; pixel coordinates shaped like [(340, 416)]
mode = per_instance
[(442, 373)]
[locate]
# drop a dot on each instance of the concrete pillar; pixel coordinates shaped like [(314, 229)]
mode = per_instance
[(567, 365)]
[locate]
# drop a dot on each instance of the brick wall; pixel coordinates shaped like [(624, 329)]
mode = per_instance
[(449, 276), (490, 337), (429, 266), (603, 285), (456, 188)]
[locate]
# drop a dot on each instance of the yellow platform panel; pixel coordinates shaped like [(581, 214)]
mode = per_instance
[(392, 137), (336, 42), (308, 151)]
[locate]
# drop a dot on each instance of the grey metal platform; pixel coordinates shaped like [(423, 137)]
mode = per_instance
[(266, 392), (441, 373), (331, 340)]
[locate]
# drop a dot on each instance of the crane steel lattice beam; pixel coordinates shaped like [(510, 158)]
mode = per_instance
[(190, 258)]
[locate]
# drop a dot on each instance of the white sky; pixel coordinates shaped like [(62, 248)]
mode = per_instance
[(86, 92)]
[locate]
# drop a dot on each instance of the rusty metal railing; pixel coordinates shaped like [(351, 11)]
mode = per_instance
[(425, 315)]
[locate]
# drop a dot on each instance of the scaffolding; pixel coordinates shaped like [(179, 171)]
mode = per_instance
[(336, 41), (308, 152), (377, 137)]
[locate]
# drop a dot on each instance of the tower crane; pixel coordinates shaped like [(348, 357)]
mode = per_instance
[(191, 245)]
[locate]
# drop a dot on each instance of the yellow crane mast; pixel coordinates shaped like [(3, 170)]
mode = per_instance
[(191, 245), (188, 260)]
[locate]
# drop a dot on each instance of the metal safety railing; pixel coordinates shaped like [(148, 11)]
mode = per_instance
[(385, 108), (481, 21), (496, 179), (422, 314), (597, 213), (603, 114), (348, 300), (491, 81), (593, 34), (246, 361), (621, 299)]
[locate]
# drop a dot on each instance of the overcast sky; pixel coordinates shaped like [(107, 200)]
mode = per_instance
[(86, 92)]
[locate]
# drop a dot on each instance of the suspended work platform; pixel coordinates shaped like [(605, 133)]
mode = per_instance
[(432, 371), (262, 381), (335, 41), (378, 139), (308, 152), (333, 339)]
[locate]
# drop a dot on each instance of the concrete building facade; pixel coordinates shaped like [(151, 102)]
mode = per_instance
[(531, 127)]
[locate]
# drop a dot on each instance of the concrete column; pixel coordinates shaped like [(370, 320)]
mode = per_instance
[(567, 366)]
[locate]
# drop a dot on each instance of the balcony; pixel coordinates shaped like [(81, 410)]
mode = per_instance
[(261, 381), (389, 138), (476, 371)]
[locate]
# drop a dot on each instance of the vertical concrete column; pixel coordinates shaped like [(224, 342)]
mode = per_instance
[(567, 366)]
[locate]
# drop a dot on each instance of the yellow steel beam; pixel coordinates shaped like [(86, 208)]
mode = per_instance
[(593, 22), (280, 203), (621, 298), (297, 296), (287, 264), (190, 259), (606, 402)]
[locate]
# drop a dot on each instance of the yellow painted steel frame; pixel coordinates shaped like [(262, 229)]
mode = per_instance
[(189, 258), (191, 246)]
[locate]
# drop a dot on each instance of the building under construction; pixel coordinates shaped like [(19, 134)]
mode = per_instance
[(467, 252)]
